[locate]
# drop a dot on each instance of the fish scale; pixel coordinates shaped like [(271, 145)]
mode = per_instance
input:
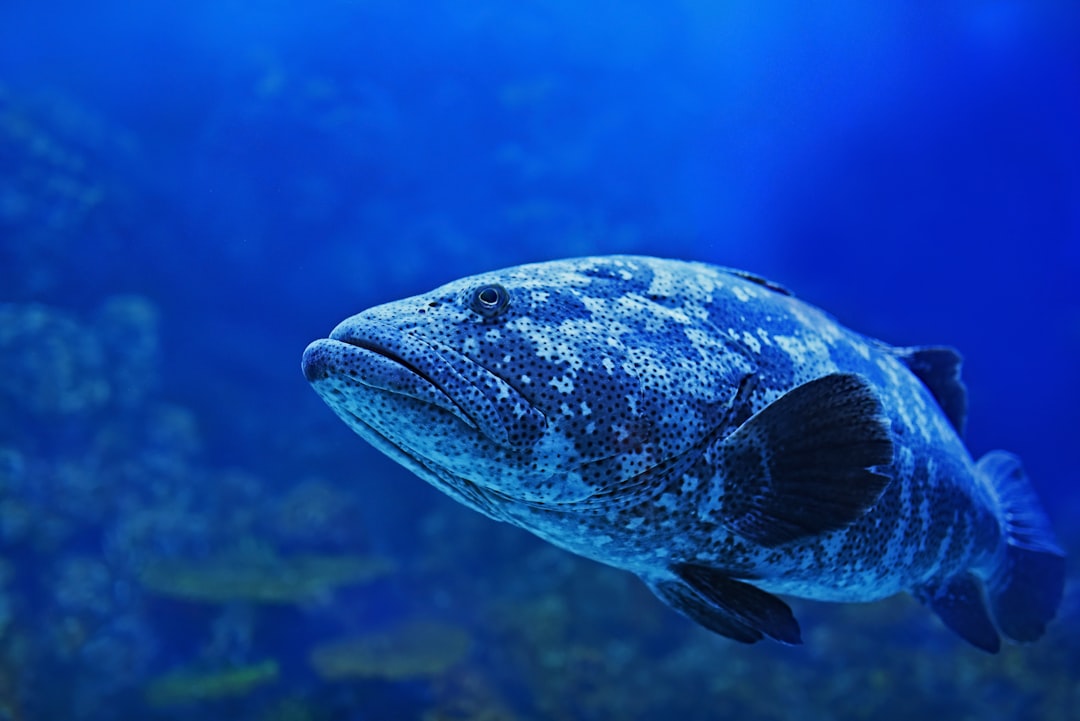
[(706, 430)]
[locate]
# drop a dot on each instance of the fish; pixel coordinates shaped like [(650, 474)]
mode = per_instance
[(702, 428)]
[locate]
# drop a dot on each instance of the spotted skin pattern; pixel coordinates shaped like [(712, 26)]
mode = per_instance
[(607, 405)]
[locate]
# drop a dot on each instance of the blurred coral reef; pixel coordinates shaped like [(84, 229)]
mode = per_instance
[(259, 577), (412, 650)]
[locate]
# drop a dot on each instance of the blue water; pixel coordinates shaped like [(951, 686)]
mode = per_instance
[(191, 192)]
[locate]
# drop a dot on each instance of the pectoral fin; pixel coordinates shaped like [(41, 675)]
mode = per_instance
[(808, 463)]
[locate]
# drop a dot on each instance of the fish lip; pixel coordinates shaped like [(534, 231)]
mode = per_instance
[(385, 352), (453, 381), (383, 368)]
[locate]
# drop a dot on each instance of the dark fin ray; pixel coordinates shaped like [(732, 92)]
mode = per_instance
[(939, 370), (763, 282), (958, 602), (689, 603), (729, 607), (1026, 587), (804, 464), (1024, 521)]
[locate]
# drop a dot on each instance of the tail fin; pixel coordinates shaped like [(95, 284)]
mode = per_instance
[(1026, 587)]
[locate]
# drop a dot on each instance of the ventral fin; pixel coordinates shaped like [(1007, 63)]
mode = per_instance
[(729, 607), (938, 367), (807, 463), (958, 602)]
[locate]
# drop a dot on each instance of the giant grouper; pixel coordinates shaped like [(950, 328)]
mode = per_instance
[(706, 430)]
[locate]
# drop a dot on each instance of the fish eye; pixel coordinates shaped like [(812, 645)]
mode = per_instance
[(490, 300)]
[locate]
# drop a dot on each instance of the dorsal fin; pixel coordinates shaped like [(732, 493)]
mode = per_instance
[(938, 367), (764, 282)]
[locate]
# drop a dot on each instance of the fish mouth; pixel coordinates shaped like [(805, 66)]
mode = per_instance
[(402, 362), (368, 364)]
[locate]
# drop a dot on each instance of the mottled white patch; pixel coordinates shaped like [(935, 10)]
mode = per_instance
[(751, 342), (621, 432), (689, 483), (667, 501), (803, 350), (924, 515), (665, 283), (793, 346), (697, 311), (824, 326), (594, 304), (550, 346), (634, 305), (946, 546), (704, 343), (492, 335), (896, 541), (567, 353), (895, 374), (923, 422), (563, 384)]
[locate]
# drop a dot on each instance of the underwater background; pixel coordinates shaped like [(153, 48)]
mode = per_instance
[(191, 192)]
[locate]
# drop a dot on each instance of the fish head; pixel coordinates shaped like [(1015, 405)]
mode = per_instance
[(548, 383)]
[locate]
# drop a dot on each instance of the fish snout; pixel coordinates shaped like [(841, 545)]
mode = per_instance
[(316, 361), (480, 398)]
